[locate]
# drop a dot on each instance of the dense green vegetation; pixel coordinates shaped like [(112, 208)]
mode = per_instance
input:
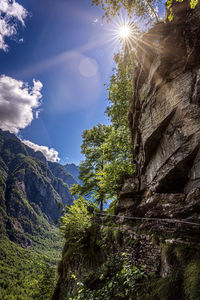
[(30, 245), (75, 222), (29, 273), (117, 278), (113, 274)]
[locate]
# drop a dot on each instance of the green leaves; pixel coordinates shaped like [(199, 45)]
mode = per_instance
[(117, 147), (118, 278), (118, 161), (107, 149), (142, 9), (145, 9), (90, 170), (75, 223), (193, 3), (169, 5)]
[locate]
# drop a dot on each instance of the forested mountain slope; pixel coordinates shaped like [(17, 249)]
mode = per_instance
[(32, 192)]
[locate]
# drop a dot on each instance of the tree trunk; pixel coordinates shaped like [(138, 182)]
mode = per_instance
[(101, 205)]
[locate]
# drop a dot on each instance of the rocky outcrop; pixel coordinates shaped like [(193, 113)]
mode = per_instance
[(165, 114), (164, 195)]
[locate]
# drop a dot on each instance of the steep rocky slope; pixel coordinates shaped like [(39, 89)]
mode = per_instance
[(73, 170), (157, 222), (32, 189)]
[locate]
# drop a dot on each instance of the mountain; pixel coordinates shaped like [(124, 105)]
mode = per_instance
[(32, 191), (63, 173), (73, 170)]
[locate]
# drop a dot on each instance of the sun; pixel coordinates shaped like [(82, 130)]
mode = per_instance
[(124, 31)]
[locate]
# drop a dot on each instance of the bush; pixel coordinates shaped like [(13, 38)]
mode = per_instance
[(117, 278), (76, 222)]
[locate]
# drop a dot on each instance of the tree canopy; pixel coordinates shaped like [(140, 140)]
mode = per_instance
[(145, 9), (107, 149), (93, 165)]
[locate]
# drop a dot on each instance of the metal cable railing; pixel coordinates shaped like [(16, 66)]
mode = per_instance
[(151, 219)]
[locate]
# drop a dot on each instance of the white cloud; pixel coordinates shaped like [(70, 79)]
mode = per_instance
[(11, 13), (50, 153), (18, 101)]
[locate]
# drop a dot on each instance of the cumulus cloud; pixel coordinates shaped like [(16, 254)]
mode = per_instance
[(18, 102), (50, 153), (11, 13)]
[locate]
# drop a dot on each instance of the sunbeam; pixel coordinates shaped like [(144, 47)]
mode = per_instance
[(123, 32)]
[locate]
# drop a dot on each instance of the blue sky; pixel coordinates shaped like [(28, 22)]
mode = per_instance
[(55, 58), (65, 46)]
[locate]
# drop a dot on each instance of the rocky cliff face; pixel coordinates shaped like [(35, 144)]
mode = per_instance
[(62, 173), (32, 189), (158, 212), (165, 124), (165, 117)]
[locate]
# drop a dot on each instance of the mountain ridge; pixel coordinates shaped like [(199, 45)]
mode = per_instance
[(32, 193), (32, 189)]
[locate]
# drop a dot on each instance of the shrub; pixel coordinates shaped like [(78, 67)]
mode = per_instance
[(118, 278), (76, 222)]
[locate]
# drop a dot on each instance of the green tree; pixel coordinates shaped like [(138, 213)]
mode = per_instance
[(120, 89), (75, 223), (118, 163), (93, 165), (117, 149), (145, 9), (107, 149)]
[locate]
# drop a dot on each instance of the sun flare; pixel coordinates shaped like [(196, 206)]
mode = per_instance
[(123, 34), (124, 31)]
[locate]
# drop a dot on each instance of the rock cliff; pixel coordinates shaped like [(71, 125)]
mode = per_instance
[(165, 120), (157, 220)]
